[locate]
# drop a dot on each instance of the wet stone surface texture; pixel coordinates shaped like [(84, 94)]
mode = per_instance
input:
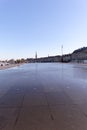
[(44, 96)]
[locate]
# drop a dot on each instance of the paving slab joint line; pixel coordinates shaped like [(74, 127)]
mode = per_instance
[(19, 111), (45, 94), (51, 116)]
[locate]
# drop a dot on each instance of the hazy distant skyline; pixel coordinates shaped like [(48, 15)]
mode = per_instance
[(42, 26)]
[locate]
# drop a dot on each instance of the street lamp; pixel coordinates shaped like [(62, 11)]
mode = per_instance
[(62, 53)]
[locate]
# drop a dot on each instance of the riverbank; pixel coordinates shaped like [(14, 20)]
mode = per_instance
[(9, 66)]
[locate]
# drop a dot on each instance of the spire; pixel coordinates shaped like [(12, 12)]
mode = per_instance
[(36, 55)]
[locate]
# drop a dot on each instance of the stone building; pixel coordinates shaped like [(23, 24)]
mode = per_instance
[(66, 58), (80, 55)]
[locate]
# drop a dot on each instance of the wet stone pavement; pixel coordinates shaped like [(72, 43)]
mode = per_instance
[(49, 96)]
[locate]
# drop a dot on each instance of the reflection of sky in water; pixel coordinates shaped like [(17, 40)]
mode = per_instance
[(66, 76), (80, 72), (66, 71)]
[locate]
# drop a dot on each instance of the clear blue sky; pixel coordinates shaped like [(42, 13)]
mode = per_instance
[(27, 26)]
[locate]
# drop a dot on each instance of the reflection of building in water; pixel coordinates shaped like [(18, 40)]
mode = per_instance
[(79, 73)]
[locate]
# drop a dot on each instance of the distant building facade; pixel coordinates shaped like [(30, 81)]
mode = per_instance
[(80, 55)]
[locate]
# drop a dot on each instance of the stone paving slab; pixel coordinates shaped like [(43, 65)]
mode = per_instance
[(11, 100), (34, 99), (34, 118), (57, 98), (7, 118), (69, 117)]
